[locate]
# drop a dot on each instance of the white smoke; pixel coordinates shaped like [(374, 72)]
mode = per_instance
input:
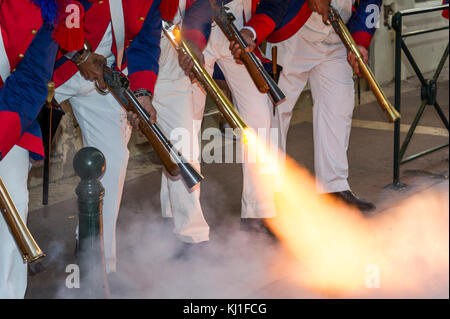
[(236, 264)]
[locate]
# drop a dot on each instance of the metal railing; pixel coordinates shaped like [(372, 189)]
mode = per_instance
[(429, 87)]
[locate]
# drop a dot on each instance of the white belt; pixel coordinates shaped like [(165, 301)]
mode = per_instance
[(181, 11), (247, 10), (118, 23)]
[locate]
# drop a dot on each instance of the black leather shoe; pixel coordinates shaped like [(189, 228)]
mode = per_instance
[(350, 198)]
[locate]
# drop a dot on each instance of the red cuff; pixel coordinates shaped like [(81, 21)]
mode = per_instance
[(62, 74), (363, 38), (195, 36), (10, 130), (445, 14), (143, 80), (33, 144), (263, 25)]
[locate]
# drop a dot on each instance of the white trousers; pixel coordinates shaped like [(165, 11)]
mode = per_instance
[(13, 271), (104, 125), (330, 76), (254, 107), (180, 119)]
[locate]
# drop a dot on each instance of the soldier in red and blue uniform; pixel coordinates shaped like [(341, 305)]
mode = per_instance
[(212, 47), (124, 34), (27, 56), (180, 119), (309, 49)]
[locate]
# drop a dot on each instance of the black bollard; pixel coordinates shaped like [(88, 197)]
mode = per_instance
[(89, 164)]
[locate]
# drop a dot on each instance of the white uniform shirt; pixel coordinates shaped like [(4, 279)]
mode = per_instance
[(316, 31), (105, 46)]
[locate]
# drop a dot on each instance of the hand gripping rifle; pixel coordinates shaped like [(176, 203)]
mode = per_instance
[(263, 81), (174, 162), (224, 105), (25, 241), (341, 29)]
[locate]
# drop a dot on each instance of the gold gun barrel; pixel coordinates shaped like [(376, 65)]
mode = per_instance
[(224, 105), (25, 241), (346, 37)]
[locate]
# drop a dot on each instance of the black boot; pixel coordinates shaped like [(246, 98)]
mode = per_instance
[(351, 199)]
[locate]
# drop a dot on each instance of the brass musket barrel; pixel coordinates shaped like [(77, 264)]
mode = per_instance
[(346, 37), (220, 99), (25, 241)]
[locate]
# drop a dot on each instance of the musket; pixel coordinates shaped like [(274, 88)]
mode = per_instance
[(174, 162), (341, 29), (172, 32), (263, 81), (22, 236)]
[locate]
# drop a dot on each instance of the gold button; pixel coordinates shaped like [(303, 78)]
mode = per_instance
[(34, 31), (14, 70), (100, 2), (21, 55), (127, 46), (142, 18), (131, 40)]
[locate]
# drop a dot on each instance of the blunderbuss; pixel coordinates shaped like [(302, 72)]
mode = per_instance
[(341, 29)]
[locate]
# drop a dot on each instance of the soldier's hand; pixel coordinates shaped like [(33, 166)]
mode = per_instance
[(92, 69), (186, 63), (146, 102), (235, 48), (321, 7), (351, 57)]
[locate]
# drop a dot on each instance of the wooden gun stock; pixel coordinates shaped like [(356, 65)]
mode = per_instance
[(263, 81), (117, 85), (174, 162), (159, 147)]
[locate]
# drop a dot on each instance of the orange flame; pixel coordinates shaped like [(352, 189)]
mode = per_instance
[(333, 249)]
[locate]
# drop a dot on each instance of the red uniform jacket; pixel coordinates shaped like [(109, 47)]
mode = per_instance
[(169, 8), (445, 12), (19, 23), (278, 20), (142, 56), (268, 23), (31, 52)]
